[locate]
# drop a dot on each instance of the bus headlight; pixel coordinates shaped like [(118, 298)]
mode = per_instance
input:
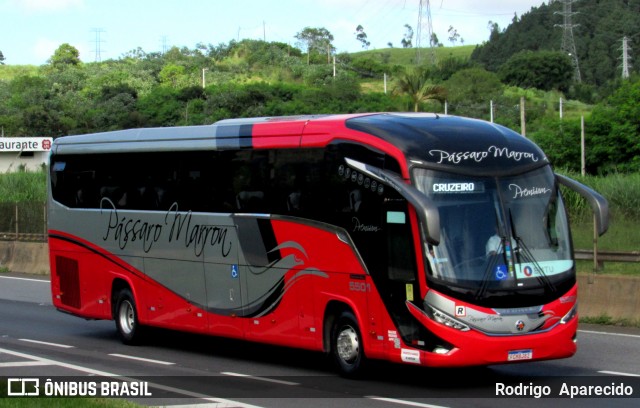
[(448, 321), (569, 316)]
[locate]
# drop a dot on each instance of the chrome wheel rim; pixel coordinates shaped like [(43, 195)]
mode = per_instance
[(127, 317), (348, 344)]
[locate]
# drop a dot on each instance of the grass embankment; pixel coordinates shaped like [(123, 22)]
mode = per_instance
[(623, 194)]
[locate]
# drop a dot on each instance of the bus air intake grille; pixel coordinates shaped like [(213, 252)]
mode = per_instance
[(67, 270)]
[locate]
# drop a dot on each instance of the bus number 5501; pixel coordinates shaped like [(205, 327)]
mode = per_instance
[(359, 287)]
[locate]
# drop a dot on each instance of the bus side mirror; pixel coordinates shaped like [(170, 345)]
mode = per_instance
[(425, 209), (599, 204)]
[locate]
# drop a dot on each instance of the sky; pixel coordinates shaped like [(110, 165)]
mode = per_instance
[(31, 30)]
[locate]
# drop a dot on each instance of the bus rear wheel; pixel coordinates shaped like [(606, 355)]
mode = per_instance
[(126, 317), (346, 345)]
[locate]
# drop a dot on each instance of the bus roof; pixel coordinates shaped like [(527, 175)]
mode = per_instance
[(431, 140), (453, 143)]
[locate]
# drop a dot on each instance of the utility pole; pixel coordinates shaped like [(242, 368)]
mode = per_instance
[(491, 110), (625, 57), (523, 119), (561, 108), (568, 44), (583, 158)]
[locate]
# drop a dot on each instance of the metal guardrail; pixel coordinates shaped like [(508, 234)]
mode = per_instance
[(611, 256), (12, 236)]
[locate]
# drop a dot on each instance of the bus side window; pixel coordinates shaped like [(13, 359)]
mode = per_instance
[(114, 194)]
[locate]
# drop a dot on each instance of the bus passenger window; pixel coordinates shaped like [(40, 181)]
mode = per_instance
[(355, 200), (250, 201), (293, 202)]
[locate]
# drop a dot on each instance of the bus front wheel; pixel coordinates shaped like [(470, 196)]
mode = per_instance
[(346, 345), (126, 317)]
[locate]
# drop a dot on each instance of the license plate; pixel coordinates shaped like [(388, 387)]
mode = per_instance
[(517, 355)]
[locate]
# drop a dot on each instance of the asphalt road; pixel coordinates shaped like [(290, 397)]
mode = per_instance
[(184, 369)]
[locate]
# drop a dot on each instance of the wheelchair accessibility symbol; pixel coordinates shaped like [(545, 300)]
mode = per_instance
[(234, 271), (501, 272)]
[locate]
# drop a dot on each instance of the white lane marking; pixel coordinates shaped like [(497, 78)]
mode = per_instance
[(46, 343), (213, 405), (24, 364), (404, 402), (148, 360), (225, 402), (259, 378), (25, 279), (619, 373), (637, 336), (59, 363)]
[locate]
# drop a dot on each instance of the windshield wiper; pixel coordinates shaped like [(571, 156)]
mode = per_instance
[(493, 261), (522, 252)]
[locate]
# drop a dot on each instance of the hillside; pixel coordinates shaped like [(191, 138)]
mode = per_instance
[(598, 30), (407, 56)]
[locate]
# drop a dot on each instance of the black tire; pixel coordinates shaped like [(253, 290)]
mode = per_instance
[(346, 345), (126, 316)]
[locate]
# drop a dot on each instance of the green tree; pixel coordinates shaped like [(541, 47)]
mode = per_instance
[(470, 90), (316, 39), (473, 85), (65, 55), (419, 88), (161, 107), (454, 37), (172, 75), (1, 58), (449, 66), (559, 139), (434, 41), (613, 136), (544, 70), (362, 37), (407, 39)]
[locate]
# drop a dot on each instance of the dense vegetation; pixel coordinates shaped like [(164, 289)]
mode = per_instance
[(599, 27), (255, 78)]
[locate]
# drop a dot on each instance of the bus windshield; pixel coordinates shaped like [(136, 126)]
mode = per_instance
[(503, 239)]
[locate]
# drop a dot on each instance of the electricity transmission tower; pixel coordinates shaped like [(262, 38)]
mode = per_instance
[(98, 42), (163, 41), (424, 10), (625, 57), (568, 44)]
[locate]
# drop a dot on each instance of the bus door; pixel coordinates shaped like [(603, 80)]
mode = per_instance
[(394, 267), (401, 279), (223, 281)]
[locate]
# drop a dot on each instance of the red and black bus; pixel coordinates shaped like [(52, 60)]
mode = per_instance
[(424, 239)]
